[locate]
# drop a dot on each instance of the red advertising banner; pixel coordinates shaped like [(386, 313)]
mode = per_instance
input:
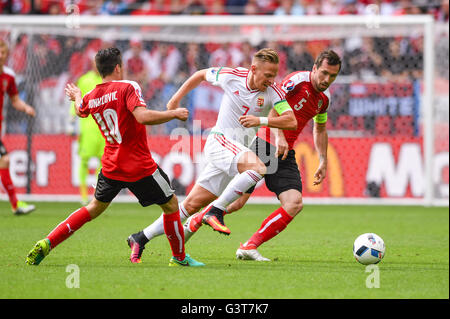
[(388, 167)]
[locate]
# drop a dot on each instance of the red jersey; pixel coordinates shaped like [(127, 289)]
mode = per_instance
[(7, 85), (304, 100), (126, 157)]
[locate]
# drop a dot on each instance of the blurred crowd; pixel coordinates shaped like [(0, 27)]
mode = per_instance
[(438, 8), (45, 63)]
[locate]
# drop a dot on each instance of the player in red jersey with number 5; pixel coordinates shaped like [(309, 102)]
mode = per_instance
[(121, 115)]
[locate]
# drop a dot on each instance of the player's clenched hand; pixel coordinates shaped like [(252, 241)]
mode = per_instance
[(249, 121), (72, 91), (181, 113), (320, 174)]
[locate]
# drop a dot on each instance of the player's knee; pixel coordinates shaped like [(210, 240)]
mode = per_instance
[(259, 168), (294, 206), (95, 208), (171, 206), (191, 206)]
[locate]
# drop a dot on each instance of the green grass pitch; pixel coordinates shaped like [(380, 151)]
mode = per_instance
[(311, 259)]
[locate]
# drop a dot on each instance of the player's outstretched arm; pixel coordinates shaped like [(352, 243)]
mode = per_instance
[(20, 105), (285, 121), (151, 117), (190, 84), (320, 136)]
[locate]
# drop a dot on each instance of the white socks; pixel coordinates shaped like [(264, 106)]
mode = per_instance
[(237, 188), (157, 228)]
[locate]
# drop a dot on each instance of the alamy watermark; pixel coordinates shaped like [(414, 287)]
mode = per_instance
[(373, 279), (73, 279)]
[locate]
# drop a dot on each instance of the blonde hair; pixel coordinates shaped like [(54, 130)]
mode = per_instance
[(267, 55)]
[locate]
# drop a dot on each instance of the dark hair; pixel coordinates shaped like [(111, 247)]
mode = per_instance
[(106, 60), (331, 57)]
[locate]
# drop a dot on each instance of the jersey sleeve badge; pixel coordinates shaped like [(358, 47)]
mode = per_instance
[(288, 85)]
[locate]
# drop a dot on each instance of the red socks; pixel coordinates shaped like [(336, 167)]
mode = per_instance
[(172, 227), (271, 226), (74, 222), (175, 234), (5, 179)]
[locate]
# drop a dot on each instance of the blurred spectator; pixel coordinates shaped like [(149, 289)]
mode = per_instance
[(56, 8), (163, 66), (299, 59), (46, 57), (290, 7), (395, 65), (217, 7), (167, 58), (267, 6), (115, 7), (252, 8), (415, 58), (442, 12), (384, 7), (235, 6), (313, 7), (46, 6), (176, 7), (90, 7), (193, 60), (242, 55), (135, 62), (330, 7), (407, 7), (221, 56), (18, 55), (195, 7), (364, 61), (350, 7), (155, 7)]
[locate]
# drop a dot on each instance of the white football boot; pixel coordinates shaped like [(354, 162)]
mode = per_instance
[(249, 254)]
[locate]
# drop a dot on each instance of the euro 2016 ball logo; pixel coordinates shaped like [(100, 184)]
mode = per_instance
[(289, 85)]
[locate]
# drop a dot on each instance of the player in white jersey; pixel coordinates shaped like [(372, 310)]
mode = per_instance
[(250, 100)]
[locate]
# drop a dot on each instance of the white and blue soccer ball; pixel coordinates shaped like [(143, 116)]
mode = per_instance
[(369, 249)]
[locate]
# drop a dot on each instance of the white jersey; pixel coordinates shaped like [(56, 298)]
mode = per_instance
[(240, 100)]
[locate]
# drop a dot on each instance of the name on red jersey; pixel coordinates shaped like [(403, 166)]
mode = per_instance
[(103, 100)]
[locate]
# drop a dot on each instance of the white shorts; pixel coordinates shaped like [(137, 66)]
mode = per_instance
[(222, 156)]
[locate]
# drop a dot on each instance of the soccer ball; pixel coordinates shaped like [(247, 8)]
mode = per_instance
[(369, 249)]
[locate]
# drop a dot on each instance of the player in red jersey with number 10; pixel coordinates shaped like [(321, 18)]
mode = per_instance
[(121, 115)]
